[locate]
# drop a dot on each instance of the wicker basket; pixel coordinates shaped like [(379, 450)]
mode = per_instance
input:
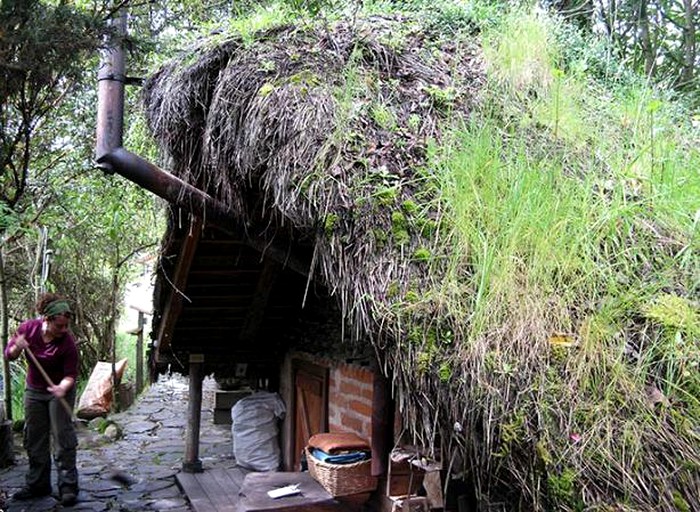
[(342, 479)]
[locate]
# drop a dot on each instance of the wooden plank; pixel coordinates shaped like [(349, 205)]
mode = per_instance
[(231, 272), (313, 497), (223, 478), (195, 493), (256, 313), (237, 475), (173, 306), (220, 497)]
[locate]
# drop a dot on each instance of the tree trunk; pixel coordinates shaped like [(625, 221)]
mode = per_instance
[(609, 14), (689, 44), (579, 12), (4, 337), (644, 39)]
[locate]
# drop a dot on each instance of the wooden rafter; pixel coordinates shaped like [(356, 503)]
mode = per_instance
[(173, 307), (256, 312)]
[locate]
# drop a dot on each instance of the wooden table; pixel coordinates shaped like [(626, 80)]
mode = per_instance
[(313, 497)]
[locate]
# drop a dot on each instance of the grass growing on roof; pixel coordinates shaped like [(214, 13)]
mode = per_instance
[(581, 234), (520, 243)]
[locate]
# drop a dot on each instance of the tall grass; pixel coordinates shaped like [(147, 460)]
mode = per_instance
[(18, 375), (574, 207)]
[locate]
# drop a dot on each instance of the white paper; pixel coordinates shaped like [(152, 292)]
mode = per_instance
[(289, 490)]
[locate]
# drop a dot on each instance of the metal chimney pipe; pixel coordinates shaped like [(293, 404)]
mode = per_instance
[(163, 184), (110, 93), (180, 193)]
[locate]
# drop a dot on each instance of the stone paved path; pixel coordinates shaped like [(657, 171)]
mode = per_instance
[(150, 452)]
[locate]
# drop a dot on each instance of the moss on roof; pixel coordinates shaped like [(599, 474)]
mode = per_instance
[(358, 135)]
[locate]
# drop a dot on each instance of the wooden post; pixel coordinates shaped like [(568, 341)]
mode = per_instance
[(139, 353), (382, 422), (192, 464)]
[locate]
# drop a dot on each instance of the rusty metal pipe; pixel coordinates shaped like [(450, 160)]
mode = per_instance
[(165, 185), (110, 93), (180, 193)]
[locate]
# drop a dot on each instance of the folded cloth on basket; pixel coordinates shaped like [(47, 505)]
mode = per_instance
[(338, 442), (340, 458)]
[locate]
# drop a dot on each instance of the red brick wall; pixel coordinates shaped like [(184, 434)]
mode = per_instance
[(350, 390), (350, 399)]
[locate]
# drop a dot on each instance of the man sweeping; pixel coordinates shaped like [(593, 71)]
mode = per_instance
[(51, 375)]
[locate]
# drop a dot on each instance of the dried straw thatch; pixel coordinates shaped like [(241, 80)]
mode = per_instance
[(330, 130)]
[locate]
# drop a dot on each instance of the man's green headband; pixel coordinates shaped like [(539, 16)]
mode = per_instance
[(57, 307)]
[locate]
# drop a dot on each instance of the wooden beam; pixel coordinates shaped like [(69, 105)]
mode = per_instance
[(173, 307), (256, 312), (382, 422), (139, 354)]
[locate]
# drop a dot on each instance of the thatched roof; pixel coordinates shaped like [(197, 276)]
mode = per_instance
[(328, 130)]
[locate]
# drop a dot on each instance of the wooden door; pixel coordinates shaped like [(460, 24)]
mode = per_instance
[(310, 405)]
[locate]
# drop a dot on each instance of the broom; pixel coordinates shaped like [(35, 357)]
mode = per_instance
[(114, 474)]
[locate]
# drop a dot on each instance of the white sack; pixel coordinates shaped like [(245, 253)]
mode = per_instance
[(254, 430)]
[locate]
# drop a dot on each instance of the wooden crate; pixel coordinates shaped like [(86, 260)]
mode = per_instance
[(404, 504), (224, 401), (403, 478), (227, 399)]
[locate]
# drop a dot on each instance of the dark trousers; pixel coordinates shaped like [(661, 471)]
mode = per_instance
[(48, 422)]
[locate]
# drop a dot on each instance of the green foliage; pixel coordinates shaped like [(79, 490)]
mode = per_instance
[(422, 254), (399, 228), (449, 18), (562, 489), (521, 53), (386, 195), (680, 502), (409, 207), (572, 205), (126, 349), (311, 7), (411, 297), (262, 17), (383, 116), (442, 97), (18, 373), (445, 372), (675, 312), (42, 47), (44, 43), (329, 223), (414, 122)]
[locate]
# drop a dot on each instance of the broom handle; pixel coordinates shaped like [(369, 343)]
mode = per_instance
[(48, 380)]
